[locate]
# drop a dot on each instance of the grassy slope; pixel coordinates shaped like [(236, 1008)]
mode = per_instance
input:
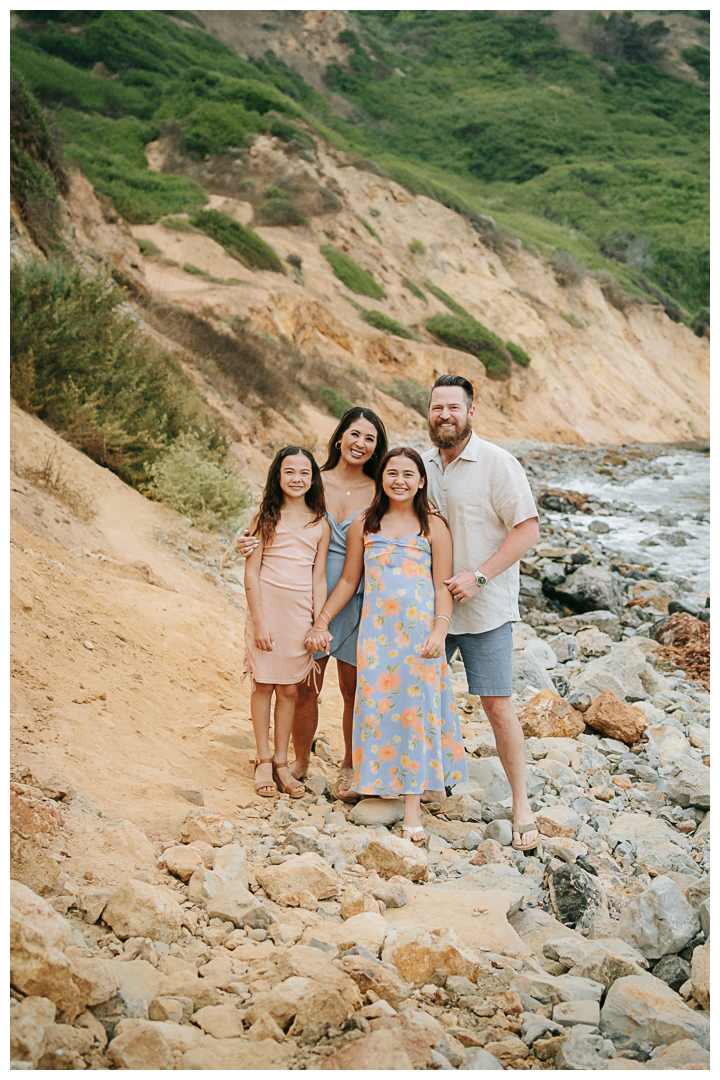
[(490, 114), (491, 108)]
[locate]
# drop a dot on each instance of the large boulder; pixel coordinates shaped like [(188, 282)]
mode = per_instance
[(380, 1049), (138, 909), (379, 977), (206, 825), (624, 670), (614, 718), (181, 861), (490, 775), (312, 963), (689, 784), (297, 1002), (658, 847), (417, 953), (308, 872), (589, 588), (659, 921), (700, 975), (547, 715), (366, 931), (575, 893), (140, 1045), (391, 855), (683, 1054), (29, 1020), (605, 621), (235, 903), (647, 1010), (38, 966), (656, 593), (529, 671)]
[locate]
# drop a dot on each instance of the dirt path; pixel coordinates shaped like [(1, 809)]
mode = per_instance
[(155, 706)]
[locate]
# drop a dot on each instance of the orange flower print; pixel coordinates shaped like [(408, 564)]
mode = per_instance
[(387, 752), (416, 665), (409, 568), (367, 690), (409, 718), (412, 612), (389, 682), (358, 756), (378, 621), (371, 647), (384, 705), (391, 607), (402, 641), (431, 676)]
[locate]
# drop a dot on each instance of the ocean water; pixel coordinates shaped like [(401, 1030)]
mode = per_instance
[(676, 483)]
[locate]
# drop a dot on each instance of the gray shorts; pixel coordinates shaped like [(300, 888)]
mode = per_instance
[(487, 658)]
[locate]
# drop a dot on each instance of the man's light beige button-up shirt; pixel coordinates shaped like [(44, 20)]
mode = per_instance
[(483, 493)]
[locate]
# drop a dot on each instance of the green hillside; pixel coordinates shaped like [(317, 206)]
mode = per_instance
[(603, 157)]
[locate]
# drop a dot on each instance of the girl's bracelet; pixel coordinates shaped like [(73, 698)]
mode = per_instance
[(445, 617), (320, 629)]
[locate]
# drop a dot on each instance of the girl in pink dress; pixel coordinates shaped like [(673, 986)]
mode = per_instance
[(285, 588)]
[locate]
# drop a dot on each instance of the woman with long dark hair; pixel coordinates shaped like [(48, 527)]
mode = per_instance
[(285, 589), (355, 449), (406, 734)]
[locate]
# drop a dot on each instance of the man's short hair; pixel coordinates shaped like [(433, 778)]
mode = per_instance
[(455, 380)]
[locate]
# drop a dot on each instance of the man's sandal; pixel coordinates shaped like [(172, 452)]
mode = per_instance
[(520, 829), (266, 788), (294, 789), (415, 833)]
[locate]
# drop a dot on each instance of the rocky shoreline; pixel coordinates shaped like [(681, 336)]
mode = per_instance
[(307, 935)]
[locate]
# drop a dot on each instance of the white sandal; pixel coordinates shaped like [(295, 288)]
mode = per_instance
[(415, 833)]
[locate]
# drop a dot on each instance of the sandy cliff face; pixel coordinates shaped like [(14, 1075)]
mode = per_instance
[(597, 374)]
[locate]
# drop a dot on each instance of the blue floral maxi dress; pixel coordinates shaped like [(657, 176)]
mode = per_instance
[(406, 732)]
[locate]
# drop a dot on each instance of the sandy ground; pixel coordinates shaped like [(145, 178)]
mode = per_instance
[(126, 659)]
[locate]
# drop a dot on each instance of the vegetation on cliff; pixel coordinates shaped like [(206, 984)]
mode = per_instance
[(604, 156)]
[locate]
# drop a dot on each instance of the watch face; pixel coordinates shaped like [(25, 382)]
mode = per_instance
[(481, 579)]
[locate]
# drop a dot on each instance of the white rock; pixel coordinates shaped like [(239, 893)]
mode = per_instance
[(659, 921), (646, 1009), (137, 909)]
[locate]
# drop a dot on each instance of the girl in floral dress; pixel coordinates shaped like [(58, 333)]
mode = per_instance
[(406, 734)]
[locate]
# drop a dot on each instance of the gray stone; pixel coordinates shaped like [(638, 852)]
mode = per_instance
[(698, 891), (573, 893), (377, 812), (121, 1006), (528, 671), (317, 784), (304, 838), (658, 847), (564, 646), (459, 985), (689, 784), (554, 573), (237, 904), (440, 1061), (570, 1013), (392, 895), (490, 775), (580, 988), (478, 1058), (684, 1054), (704, 913), (590, 588), (604, 620), (646, 1009), (673, 970), (472, 840), (659, 921), (537, 1027), (500, 830), (577, 1054)]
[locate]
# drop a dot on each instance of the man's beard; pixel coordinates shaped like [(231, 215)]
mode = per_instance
[(446, 438)]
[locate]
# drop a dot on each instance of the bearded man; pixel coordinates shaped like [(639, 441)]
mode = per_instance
[(485, 496)]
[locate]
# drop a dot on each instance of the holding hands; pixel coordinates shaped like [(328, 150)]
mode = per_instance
[(318, 640)]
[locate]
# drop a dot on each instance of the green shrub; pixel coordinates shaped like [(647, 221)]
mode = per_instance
[(701, 323), (391, 326), (81, 364), (196, 484), (333, 401), (238, 241), (412, 393), (416, 247), (55, 82), (352, 276), (467, 334), (280, 212), (571, 318), (213, 127), (148, 249), (568, 269), (619, 37), (698, 58), (289, 133), (443, 297), (413, 288), (368, 226), (177, 224), (518, 354), (274, 192), (36, 168)]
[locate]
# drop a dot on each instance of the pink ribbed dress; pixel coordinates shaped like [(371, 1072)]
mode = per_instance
[(286, 603)]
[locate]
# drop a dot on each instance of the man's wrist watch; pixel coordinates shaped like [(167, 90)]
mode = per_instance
[(480, 579)]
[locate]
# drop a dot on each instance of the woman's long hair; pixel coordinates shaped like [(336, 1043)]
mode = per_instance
[(274, 496), (381, 503), (358, 412)]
